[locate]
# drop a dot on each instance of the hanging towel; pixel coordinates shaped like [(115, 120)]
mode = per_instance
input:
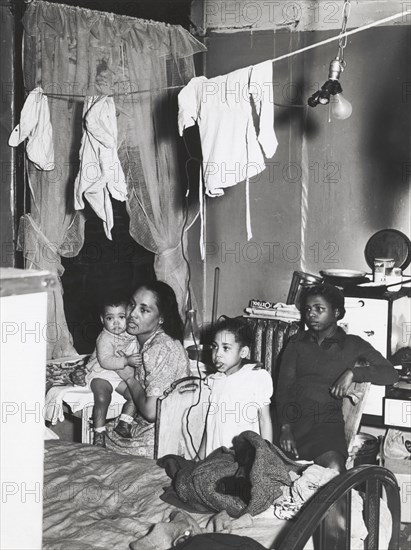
[(100, 174), (35, 126)]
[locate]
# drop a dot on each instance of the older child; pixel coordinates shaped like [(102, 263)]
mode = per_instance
[(317, 368), (240, 391), (115, 349)]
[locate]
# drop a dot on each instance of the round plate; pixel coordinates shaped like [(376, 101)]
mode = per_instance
[(389, 243), (344, 273)]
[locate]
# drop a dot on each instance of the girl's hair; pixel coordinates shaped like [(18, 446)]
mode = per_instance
[(167, 306), (330, 293), (238, 327)]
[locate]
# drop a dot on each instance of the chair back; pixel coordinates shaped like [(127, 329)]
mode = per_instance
[(353, 408), (180, 418)]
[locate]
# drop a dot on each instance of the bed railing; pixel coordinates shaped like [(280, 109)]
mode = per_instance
[(373, 482)]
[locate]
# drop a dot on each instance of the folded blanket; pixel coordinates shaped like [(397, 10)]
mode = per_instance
[(258, 462)]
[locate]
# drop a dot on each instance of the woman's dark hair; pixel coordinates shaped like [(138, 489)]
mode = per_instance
[(167, 306), (238, 327), (330, 293)]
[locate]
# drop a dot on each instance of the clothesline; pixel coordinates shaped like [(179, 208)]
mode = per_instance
[(279, 58), (342, 35)]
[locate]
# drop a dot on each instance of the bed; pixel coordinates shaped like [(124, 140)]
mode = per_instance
[(97, 499)]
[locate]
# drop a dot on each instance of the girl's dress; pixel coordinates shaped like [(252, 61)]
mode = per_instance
[(234, 404), (106, 354)]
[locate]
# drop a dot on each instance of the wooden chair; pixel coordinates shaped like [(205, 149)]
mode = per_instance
[(353, 408)]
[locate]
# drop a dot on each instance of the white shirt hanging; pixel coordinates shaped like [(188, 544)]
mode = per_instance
[(100, 174), (35, 126), (232, 148)]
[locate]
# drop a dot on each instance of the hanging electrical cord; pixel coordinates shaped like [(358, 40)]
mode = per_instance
[(341, 108), (200, 381)]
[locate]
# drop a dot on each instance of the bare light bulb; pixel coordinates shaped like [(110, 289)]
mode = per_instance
[(341, 108)]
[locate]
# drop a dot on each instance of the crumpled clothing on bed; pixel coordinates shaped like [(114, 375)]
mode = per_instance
[(301, 490), (259, 466)]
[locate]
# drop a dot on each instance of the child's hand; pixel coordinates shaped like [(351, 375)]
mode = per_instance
[(287, 441), (135, 360), (340, 387), (126, 373)]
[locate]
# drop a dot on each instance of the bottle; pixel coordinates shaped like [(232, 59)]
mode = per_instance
[(191, 336)]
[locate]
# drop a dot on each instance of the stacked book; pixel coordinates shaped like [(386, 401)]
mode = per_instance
[(270, 310)]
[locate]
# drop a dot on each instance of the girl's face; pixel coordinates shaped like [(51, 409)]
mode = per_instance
[(227, 354), (143, 316), (114, 319), (319, 314)]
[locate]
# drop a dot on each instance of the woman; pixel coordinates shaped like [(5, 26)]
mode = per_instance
[(153, 318)]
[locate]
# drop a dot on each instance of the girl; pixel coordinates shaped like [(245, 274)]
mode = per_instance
[(240, 391), (317, 368)]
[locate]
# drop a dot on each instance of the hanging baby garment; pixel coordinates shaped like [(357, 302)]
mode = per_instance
[(232, 148), (100, 174), (35, 126)]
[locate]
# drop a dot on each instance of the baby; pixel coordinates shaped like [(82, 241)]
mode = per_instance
[(115, 349)]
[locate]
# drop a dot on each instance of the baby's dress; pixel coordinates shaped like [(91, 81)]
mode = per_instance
[(108, 346)]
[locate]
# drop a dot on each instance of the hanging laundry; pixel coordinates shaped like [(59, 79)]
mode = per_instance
[(231, 145), (100, 174), (35, 126)]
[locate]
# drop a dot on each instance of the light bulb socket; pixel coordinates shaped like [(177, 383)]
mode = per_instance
[(322, 96), (335, 69)]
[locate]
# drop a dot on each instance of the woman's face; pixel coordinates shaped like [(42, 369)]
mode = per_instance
[(143, 316), (319, 314)]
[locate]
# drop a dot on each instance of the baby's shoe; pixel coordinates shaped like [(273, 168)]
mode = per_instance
[(99, 439), (123, 429)]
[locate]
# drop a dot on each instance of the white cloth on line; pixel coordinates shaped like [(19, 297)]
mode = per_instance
[(77, 397), (231, 146), (100, 174), (35, 126)]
